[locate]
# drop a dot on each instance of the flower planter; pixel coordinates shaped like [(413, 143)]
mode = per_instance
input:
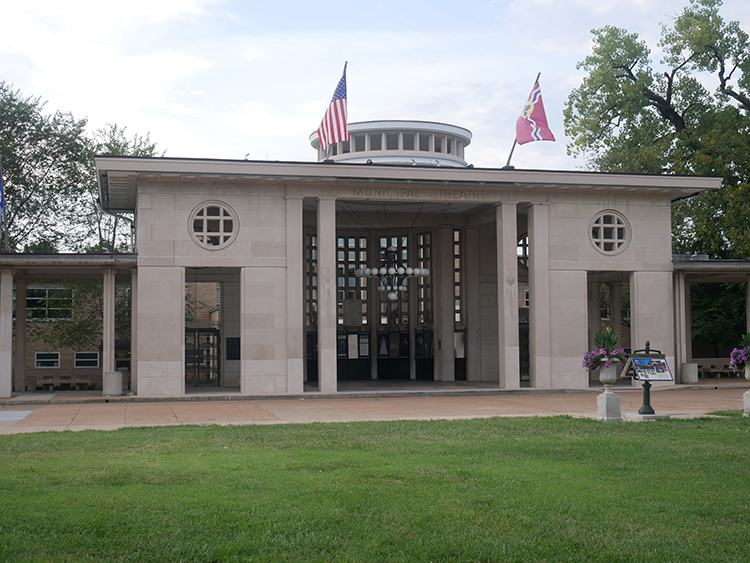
[(608, 375)]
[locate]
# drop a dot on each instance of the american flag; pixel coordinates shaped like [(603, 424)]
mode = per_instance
[(333, 128)]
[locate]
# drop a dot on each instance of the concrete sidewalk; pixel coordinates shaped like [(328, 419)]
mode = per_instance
[(77, 411)]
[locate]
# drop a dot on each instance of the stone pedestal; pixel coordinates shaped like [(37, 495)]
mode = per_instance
[(112, 384), (608, 406), (746, 403), (689, 374)]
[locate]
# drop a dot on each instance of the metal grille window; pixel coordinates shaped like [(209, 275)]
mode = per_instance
[(46, 303), (424, 287), (457, 296), (311, 280), (213, 225), (522, 250), (395, 313), (351, 255)]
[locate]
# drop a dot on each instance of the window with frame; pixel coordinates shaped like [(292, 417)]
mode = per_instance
[(47, 360), (424, 287), (609, 232), (351, 254), (522, 250), (311, 280), (457, 297), (86, 360), (47, 303), (395, 314), (213, 225)]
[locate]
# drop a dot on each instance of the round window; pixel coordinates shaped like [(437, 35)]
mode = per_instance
[(213, 225), (610, 232)]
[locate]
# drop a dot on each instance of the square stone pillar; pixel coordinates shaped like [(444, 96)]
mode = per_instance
[(652, 312), (108, 326), (473, 308), (539, 297), (507, 296), (327, 295), (134, 331), (443, 317), (6, 333), (295, 295), (19, 362), (161, 331)]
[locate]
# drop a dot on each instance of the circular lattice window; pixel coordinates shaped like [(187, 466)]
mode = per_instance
[(213, 225), (610, 232)]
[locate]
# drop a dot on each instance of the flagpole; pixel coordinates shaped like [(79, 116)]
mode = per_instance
[(327, 157), (515, 140)]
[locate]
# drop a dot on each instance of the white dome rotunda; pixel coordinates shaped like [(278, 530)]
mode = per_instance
[(416, 143)]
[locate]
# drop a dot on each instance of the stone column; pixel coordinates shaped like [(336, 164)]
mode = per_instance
[(472, 304), (6, 332), (539, 297), (134, 331), (108, 327), (444, 320), (295, 295), (19, 364), (327, 295), (161, 331), (595, 310), (652, 312), (507, 296)]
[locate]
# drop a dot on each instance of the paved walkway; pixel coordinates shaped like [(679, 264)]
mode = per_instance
[(37, 412)]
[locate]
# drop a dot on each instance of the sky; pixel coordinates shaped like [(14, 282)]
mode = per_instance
[(233, 79)]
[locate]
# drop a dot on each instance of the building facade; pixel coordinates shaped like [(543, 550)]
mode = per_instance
[(512, 265)]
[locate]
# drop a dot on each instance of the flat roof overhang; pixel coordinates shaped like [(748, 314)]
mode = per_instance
[(57, 266), (118, 177), (702, 269)]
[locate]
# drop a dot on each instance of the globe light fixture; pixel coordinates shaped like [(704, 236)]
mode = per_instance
[(392, 274)]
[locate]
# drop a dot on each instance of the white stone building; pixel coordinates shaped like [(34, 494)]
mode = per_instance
[(516, 260)]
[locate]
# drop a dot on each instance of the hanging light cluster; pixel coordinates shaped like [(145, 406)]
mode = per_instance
[(392, 274)]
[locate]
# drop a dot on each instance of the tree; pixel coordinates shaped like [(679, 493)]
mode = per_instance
[(630, 116), (45, 167), (111, 232), (718, 314)]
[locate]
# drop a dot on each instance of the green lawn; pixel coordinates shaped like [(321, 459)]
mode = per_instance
[(503, 489)]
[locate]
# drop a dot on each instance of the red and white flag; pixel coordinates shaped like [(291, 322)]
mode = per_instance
[(333, 128), (532, 125)]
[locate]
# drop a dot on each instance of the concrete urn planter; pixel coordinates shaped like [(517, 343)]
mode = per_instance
[(608, 375)]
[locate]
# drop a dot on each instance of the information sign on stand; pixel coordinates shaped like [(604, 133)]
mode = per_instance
[(647, 365)]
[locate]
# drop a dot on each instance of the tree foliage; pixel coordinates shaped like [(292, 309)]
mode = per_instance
[(718, 314), (688, 115), (111, 232), (45, 164), (49, 178)]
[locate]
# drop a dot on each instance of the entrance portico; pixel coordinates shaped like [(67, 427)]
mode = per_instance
[(516, 259)]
